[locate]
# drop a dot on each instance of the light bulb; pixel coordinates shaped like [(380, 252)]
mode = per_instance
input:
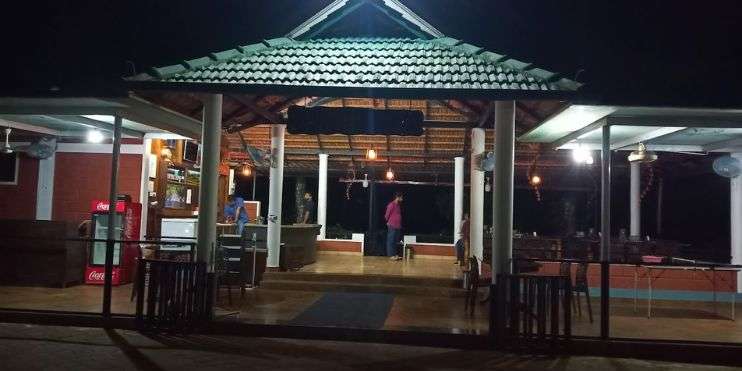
[(94, 136), (390, 174), (535, 180), (371, 154)]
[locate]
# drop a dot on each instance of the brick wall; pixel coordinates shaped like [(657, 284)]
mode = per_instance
[(622, 277), (433, 249), (339, 245), (19, 201), (82, 177)]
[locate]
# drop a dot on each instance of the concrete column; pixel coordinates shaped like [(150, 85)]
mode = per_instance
[(322, 195), (736, 220), (635, 202), (275, 196), (458, 196), (476, 198), (45, 189), (502, 195), (208, 200), (605, 228), (111, 232), (144, 188), (605, 195)]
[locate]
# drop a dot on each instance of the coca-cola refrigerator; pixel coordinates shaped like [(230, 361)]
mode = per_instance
[(127, 219)]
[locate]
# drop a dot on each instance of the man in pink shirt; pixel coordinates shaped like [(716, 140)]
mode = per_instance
[(393, 217)]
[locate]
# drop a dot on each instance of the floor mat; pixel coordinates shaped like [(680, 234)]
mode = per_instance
[(347, 309)]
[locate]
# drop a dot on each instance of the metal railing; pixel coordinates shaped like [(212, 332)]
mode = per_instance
[(532, 311), (172, 295)]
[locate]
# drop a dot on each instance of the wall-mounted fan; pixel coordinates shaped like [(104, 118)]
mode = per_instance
[(727, 166), (485, 161), (260, 158)]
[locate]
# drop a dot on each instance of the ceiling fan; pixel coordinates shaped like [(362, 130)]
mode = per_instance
[(41, 149), (6, 148)]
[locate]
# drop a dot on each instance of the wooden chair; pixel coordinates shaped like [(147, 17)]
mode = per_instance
[(224, 272), (579, 286), (476, 280), (472, 285)]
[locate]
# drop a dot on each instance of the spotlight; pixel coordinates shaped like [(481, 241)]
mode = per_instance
[(95, 136), (389, 174), (371, 154), (535, 180), (582, 156)]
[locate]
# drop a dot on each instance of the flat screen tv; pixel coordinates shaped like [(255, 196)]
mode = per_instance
[(190, 151)]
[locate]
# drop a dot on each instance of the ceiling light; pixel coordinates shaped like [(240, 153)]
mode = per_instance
[(371, 154), (582, 156), (246, 171), (642, 155), (389, 174), (94, 136)]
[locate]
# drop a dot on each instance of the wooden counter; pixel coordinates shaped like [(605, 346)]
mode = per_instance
[(298, 243), (34, 252)]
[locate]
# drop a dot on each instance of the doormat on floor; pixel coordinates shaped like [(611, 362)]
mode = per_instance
[(347, 309)]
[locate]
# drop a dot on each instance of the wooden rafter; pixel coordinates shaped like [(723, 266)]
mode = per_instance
[(486, 115), (252, 104), (468, 114)]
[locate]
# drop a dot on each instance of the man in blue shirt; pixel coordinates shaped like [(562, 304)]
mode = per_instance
[(234, 211)]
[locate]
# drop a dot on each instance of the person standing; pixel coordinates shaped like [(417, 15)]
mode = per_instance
[(393, 217), (234, 211), (309, 209)]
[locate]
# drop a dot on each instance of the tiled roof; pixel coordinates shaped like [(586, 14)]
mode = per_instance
[(442, 63)]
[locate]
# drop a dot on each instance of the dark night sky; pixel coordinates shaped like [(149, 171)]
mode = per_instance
[(651, 52)]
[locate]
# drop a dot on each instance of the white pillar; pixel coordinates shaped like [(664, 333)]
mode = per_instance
[(735, 201), (458, 196), (502, 194), (322, 196), (635, 202), (144, 188), (45, 189), (476, 197), (275, 194), (211, 134)]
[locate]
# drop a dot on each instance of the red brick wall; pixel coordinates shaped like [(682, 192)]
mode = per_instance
[(19, 201), (336, 245), (436, 250), (82, 177), (622, 277)]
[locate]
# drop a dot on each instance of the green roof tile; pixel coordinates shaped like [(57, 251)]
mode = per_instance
[(443, 63)]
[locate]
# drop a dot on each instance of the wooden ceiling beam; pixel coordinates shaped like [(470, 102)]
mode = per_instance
[(252, 104)]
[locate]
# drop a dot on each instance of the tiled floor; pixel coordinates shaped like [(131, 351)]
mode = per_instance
[(672, 320), (357, 264)]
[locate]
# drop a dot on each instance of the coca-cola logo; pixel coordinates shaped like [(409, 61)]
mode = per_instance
[(96, 276)]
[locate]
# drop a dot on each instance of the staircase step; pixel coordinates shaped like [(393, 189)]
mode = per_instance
[(368, 279), (309, 285)]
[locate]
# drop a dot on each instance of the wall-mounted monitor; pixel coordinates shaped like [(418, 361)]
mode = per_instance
[(190, 151)]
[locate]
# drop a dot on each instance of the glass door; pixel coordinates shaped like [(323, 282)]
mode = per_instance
[(98, 252)]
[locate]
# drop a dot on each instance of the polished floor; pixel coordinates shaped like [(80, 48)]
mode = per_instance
[(672, 320), (357, 264)]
